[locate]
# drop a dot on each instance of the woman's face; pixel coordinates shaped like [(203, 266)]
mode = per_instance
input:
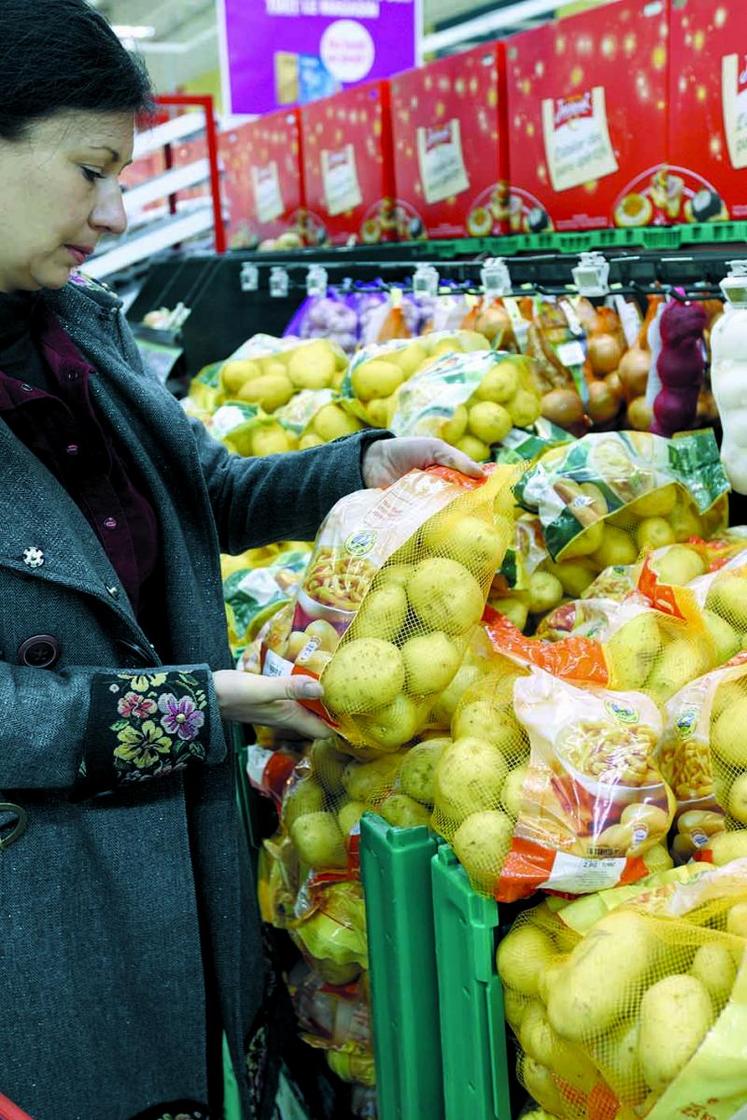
[(59, 194)]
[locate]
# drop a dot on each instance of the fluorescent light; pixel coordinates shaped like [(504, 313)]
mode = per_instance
[(126, 31)]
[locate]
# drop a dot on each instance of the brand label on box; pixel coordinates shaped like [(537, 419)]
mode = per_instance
[(268, 198), (441, 161), (577, 139), (734, 101), (340, 180)]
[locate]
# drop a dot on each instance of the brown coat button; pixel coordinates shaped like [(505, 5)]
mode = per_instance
[(39, 652)]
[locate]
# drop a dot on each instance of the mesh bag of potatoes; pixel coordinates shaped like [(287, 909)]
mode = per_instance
[(397, 582), (472, 401), (316, 416), (608, 496), (268, 371), (373, 379), (335, 1018), (642, 1015), (551, 786), (703, 754)]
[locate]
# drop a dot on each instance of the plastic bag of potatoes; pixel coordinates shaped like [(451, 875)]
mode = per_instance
[(397, 581)]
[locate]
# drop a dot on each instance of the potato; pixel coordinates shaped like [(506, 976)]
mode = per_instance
[(658, 503), (312, 365), (467, 539), (481, 844), (514, 1008), (315, 660), (473, 447), (328, 765), (657, 859), (522, 958), (332, 422), (540, 1042), (681, 662), (678, 566), (499, 384), (418, 768), (736, 920), (602, 970), (382, 613), (549, 976), (621, 1055), (513, 788), (685, 522), (409, 359), (370, 781), (543, 1088), (318, 840), (324, 633), (270, 391), (714, 966), (675, 1016), (489, 422), (574, 575), (306, 796), (364, 674), (446, 704), (654, 532), (632, 651), (403, 811), (375, 379), (394, 573), (514, 609), (469, 776), (431, 662), (454, 428), (395, 724), (728, 846), (495, 723), (727, 733), (524, 408), (544, 593), (270, 440), (349, 814), (309, 439), (444, 596), (727, 599), (726, 640), (337, 974), (616, 547)]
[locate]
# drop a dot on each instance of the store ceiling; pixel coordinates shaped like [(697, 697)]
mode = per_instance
[(185, 43)]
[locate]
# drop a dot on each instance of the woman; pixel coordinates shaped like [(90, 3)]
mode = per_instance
[(130, 938)]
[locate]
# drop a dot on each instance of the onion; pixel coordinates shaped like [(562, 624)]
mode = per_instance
[(605, 353), (563, 407), (603, 404), (493, 321), (639, 415), (615, 384), (633, 370)]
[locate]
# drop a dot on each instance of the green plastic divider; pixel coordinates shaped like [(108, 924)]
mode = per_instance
[(713, 233), (396, 874), (473, 1031), (231, 1098)]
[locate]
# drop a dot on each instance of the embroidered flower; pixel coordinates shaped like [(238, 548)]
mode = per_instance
[(140, 707), (141, 682), (142, 745), (181, 717)]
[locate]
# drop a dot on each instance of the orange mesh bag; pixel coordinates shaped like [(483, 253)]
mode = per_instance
[(703, 753), (397, 581)]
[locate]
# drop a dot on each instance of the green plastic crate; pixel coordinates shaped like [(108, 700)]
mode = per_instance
[(396, 874), (473, 1029), (231, 1098), (714, 233)]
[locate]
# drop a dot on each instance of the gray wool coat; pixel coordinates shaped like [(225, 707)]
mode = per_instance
[(131, 876)]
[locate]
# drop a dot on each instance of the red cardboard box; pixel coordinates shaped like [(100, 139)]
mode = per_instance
[(451, 146), (708, 107), (348, 167), (262, 181), (587, 99)]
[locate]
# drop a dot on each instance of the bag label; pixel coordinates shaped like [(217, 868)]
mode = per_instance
[(268, 198), (734, 106)]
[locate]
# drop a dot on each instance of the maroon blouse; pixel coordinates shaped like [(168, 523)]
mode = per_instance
[(45, 401)]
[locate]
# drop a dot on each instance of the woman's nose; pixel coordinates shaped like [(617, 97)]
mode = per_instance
[(109, 215)]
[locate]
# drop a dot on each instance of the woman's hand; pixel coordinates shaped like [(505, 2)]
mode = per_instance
[(270, 701), (386, 460)]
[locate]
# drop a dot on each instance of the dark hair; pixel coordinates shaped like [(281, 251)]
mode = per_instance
[(62, 55)]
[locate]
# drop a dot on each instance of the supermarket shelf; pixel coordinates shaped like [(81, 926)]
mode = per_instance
[(161, 186), (179, 128), (395, 868), (473, 1030), (140, 248)]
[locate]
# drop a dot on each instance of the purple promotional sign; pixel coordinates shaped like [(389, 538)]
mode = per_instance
[(287, 52)]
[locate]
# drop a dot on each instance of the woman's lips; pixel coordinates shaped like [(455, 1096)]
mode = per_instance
[(78, 253)]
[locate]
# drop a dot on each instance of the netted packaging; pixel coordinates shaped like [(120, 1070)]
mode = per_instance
[(397, 582)]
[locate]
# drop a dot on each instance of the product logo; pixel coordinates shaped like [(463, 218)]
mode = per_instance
[(361, 543), (742, 78), (622, 712), (434, 137), (266, 174), (686, 723), (573, 108), (337, 159)]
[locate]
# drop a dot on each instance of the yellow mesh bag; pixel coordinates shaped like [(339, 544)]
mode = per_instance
[(636, 1017), (703, 754), (397, 581)]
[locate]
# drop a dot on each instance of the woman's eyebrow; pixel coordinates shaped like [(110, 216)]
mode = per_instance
[(113, 151)]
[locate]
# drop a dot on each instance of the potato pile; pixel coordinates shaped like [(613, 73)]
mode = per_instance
[(618, 1013)]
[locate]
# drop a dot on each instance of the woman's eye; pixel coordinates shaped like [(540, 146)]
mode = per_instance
[(91, 175)]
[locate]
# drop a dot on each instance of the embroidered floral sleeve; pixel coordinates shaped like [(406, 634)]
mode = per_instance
[(144, 725)]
